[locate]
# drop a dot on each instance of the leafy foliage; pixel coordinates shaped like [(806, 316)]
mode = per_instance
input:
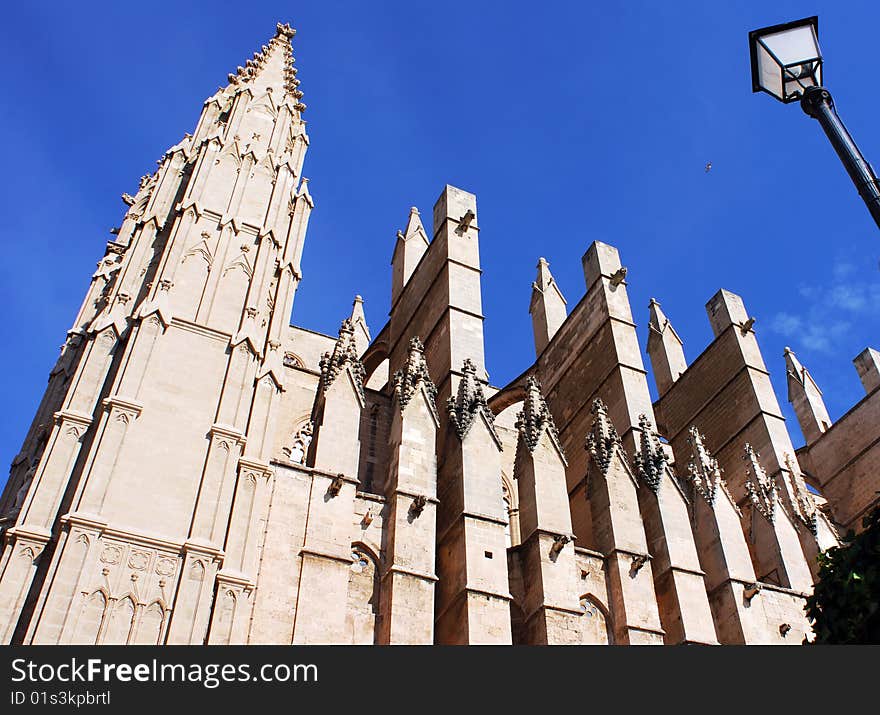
[(845, 605)]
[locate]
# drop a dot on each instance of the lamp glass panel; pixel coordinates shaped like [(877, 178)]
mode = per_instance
[(799, 77), (769, 73), (797, 43)]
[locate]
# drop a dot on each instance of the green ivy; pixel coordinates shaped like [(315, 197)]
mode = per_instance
[(845, 605)]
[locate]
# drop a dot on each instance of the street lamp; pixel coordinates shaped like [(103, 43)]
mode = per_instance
[(787, 64)]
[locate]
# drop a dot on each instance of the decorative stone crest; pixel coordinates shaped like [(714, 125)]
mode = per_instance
[(166, 566), (414, 376), (111, 554), (603, 440), (651, 460), (762, 490), (343, 357), (702, 469), (468, 402), (535, 418), (139, 560)]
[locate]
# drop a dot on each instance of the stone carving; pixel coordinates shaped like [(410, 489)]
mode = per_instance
[(603, 441), (414, 376), (559, 542), (166, 566), (111, 554), (343, 357), (468, 402), (535, 418), (638, 560), (299, 447), (702, 469), (751, 590), (651, 460), (292, 360), (138, 560), (418, 504), (335, 486), (464, 223), (762, 490), (804, 504)]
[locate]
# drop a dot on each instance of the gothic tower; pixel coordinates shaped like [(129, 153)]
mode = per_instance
[(142, 480)]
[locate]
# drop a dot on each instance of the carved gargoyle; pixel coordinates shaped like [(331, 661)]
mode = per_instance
[(618, 276), (418, 504), (750, 591), (335, 485), (559, 543), (638, 560), (464, 223)]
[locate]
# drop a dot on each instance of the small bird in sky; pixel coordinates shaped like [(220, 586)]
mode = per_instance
[(708, 166)]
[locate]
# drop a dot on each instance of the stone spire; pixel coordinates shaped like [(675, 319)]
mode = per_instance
[(547, 306), (414, 376), (344, 357), (409, 248), (806, 399), (469, 402), (664, 349), (702, 469), (535, 418), (359, 324), (762, 490), (271, 69), (651, 459)]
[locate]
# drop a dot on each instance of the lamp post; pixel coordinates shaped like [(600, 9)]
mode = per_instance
[(787, 64)]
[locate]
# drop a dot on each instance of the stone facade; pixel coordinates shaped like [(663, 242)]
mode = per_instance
[(200, 471)]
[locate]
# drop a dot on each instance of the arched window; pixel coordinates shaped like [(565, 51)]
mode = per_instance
[(594, 624), (363, 597), (90, 619)]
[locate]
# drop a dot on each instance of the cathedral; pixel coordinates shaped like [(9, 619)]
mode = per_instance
[(202, 471)]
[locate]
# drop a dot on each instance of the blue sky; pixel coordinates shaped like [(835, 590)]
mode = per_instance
[(571, 121)]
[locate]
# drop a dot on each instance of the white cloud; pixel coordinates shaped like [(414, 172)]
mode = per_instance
[(829, 310)]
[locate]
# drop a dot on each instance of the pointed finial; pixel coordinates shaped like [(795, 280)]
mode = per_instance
[(651, 459), (535, 418), (702, 469), (468, 402), (344, 356), (414, 376), (603, 440), (284, 31), (762, 490)]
